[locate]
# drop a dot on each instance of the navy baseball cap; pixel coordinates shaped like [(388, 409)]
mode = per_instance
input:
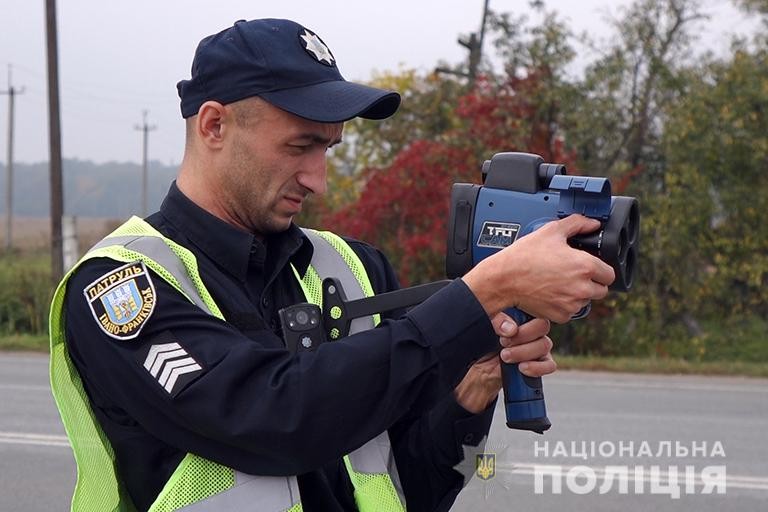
[(284, 63)]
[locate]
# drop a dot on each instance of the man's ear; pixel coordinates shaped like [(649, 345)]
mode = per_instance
[(212, 118)]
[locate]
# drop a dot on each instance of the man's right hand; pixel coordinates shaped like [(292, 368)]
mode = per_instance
[(541, 274)]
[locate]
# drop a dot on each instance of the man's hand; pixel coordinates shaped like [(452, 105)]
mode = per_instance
[(528, 345), (541, 274)]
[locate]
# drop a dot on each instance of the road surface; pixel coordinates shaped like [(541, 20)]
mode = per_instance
[(603, 428)]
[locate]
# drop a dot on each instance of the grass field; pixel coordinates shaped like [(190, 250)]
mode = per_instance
[(31, 233), (24, 342), (666, 366)]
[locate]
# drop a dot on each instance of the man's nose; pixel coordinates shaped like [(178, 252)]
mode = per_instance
[(314, 175)]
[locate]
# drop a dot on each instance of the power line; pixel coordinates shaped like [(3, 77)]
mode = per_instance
[(145, 128), (101, 91), (11, 92)]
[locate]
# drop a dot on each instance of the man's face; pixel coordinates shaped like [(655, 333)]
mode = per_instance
[(276, 160)]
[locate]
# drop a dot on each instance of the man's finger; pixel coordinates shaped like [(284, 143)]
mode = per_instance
[(577, 224), (504, 326), (528, 332), (603, 273), (599, 291), (545, 366), (531, 351)]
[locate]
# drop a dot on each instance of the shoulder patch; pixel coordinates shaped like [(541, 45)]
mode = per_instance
[(122, 300)]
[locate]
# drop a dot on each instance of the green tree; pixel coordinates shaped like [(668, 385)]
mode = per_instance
[(616, 128), (616, 125), (701, 181), (535, 58), (720, 133)]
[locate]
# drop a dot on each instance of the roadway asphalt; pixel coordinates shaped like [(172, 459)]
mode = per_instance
[(605, 411)]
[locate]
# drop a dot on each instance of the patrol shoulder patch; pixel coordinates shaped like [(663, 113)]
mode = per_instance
[(122, 300)]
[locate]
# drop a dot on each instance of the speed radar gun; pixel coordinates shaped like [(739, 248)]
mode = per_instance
[(521, 193)]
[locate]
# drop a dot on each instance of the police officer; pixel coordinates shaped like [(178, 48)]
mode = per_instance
[(167, 361)]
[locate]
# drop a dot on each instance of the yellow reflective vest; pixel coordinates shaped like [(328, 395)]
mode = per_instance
[(197, 484)]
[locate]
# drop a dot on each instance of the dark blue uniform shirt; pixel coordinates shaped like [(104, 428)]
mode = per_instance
[(256, 407)]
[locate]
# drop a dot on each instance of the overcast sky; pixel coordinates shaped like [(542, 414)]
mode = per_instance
[(117, 58)]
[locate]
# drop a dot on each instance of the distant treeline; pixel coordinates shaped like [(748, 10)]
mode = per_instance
[(111, 189)]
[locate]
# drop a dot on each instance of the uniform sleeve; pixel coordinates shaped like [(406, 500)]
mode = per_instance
[(197, 384), (429, 445)]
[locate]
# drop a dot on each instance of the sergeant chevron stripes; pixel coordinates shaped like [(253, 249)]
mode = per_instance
[(167, 362)]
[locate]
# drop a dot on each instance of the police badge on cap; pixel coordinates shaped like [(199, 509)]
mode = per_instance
[(316, 47)]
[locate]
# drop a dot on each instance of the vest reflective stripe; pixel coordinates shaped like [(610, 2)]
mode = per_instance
[(326, 262), (158, 250), (375, 456), (268, 492), (183, 490)]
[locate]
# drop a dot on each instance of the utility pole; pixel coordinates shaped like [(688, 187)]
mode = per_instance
[(54, 141), (145, 128), (11, 92), (475, 46)]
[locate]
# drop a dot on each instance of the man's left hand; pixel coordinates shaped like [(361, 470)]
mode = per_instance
[(527, 345)]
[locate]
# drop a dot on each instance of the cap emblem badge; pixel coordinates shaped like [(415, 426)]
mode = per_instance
[(315, 47)]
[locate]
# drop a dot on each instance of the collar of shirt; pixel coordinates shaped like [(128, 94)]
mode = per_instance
[(231, 248)]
